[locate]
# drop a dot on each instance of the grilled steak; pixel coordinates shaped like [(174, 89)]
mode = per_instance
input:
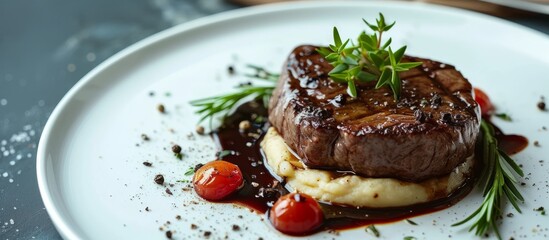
[(427, 133)]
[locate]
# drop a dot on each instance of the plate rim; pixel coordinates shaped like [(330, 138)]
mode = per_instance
[(67, 229)]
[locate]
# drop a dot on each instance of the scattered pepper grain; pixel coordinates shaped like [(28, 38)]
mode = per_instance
[(145, 137), (161, 108), (200, 130), (541, 106), (176, 148), (159, 179)]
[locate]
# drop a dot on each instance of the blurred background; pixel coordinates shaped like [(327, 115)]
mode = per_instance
[(47, 46)]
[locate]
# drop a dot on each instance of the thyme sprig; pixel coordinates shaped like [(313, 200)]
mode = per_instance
[(500, 180), (370, 60), (211, 107)]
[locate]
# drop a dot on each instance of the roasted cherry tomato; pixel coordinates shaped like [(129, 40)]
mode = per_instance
[(486, 107), (216, 180), (296, 214)]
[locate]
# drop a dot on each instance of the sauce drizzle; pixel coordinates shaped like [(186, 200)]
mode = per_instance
[(509, 143)]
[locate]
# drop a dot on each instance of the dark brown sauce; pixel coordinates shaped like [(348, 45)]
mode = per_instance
[(261, 189), (509, 143), (340, 217), (512, 144)]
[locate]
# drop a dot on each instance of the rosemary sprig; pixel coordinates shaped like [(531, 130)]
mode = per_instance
[(370, 60), (499, 172), (221, 105)]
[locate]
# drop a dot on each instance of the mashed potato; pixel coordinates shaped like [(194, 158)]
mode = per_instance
[(354, 190)]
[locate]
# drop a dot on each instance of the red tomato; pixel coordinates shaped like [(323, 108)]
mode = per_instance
[(296, 214), (486, 107), (216, 180)]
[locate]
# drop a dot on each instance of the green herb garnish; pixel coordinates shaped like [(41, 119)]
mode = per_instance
[(504, 116), (499, 173), (223, 104), (409, 238), (189, 171), (369, 61), (411, 222), (224, 153), (541, 210), (372, 229)]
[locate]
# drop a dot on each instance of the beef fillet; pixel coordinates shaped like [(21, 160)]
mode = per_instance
[(427, 133)]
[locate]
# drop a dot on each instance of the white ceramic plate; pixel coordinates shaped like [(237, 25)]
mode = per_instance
[(90, 170)]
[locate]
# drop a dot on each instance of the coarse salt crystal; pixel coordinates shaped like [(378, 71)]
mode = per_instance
[(90, 57), (20, 137)]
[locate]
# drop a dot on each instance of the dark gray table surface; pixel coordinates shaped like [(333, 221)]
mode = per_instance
[(45, 48)]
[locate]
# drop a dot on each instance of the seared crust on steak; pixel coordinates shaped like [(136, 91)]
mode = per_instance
[(427, 133)]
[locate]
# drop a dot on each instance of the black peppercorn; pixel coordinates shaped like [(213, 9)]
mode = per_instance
[(446, 117), (176, 148), (159, 179), (161, 108), (145, 137), (236, 227), (420, 116), (436, 100), (541, 106)]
